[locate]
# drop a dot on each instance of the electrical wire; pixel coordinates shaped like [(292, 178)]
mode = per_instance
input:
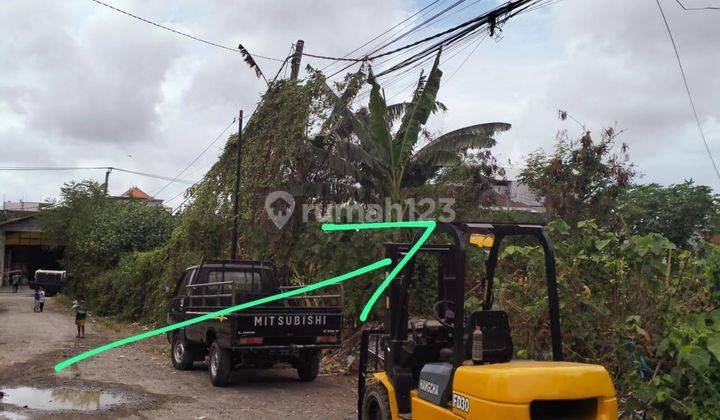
[(414, 29), (82, 168), (464, 61), (196, 158), (192, 193), (687, 89), (195, 38), (697, 8), (456, 33), (419, 12)]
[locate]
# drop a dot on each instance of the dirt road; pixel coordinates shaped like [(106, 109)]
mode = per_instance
[(138, 381)]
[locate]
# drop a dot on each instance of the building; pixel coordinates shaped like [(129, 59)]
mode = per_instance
[(24, 248), (23, 206), (514, 195), (135, 193)]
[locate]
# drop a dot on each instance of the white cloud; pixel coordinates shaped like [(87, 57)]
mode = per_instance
[(84, 85)]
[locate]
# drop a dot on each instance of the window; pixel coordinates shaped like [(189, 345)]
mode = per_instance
[(213, 278), (182, 283), (245, 281)]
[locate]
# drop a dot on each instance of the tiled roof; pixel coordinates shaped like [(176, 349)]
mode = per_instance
[(136, 192)]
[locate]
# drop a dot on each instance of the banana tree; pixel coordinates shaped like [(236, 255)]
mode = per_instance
[(364, 146)]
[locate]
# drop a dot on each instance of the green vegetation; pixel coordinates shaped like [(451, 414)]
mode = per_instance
[(388, 163), (635, 296), (98, 236), (581, 179), (679, 212), (631, 303)]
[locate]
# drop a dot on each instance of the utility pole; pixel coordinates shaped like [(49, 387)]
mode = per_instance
[(236, 192), (295, 63), (107, 179)]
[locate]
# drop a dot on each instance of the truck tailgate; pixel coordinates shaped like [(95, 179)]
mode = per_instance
[(289, 322)]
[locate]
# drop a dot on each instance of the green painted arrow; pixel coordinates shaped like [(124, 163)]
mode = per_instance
[(428, 225)]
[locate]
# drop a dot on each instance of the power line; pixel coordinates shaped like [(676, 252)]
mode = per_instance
[(461, 31), (687, 89), (184, 181), (387, 31), (82, 168), (509, 6), (192, 194), (195, 159), (195, 38), (425, 22), (697, 8), (465, 60), (383, 43)]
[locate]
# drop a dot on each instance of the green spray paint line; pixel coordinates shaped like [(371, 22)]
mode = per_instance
[(429, 226), (338, 279)]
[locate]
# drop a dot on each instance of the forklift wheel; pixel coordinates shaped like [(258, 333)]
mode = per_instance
[(220, 365), (308, 366), (376, 404), (182, 353)]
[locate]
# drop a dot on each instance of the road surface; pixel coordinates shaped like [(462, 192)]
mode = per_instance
[(141, 375)]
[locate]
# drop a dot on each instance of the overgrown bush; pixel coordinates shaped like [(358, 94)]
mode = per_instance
[(100, 239), (624, 302)]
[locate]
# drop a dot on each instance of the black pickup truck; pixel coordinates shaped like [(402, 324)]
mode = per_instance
[(293, 330)]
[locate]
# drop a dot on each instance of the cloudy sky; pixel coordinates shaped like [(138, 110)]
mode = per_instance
[(83, 85)]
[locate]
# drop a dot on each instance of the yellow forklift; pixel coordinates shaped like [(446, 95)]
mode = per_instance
[(458, 365)]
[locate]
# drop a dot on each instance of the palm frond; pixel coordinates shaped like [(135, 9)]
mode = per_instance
[(248, 58), (354, 153), (396, 111), (378, 126), (342, 122), (474, 136), (338, 165), (419, 113), (419, 171)]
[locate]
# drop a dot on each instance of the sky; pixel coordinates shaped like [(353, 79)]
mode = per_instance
[(83, 85)]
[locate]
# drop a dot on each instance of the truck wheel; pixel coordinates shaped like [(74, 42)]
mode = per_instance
[(308, 366), (220, 365), (182, 353), (376, 404)]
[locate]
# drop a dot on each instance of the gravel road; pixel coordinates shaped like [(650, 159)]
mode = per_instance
[(142, 377)]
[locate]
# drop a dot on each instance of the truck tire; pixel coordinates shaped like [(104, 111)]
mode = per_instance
[(376, 404), (309, 366), (182, 353), (220, 364)]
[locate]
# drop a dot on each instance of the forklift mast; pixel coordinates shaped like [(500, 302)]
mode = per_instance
[(400, 356)]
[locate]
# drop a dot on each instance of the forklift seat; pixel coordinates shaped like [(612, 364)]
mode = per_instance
[(497, 341)]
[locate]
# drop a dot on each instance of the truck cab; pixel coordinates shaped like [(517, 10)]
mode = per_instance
[(293, 330), (52, 281)]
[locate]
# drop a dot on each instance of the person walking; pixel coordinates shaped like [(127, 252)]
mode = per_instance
[(41, 299), (15, 282), (80, 314)]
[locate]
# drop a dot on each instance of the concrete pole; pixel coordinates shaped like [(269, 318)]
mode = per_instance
[(295, 63), (107, 179), (236, 190)]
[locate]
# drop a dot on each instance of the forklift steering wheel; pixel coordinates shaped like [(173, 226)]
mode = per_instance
[(438, 317)]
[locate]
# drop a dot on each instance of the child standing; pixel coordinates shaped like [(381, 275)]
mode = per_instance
[(80, 314), (41, 299), (37, 300)]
